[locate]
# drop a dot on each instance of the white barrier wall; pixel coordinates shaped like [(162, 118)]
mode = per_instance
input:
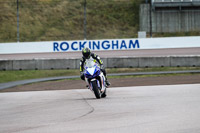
[(108, 44)]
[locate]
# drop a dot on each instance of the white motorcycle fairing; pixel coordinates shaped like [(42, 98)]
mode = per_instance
[(95, 79)]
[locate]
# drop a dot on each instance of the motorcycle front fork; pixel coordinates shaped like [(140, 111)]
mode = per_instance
[(102, 86)]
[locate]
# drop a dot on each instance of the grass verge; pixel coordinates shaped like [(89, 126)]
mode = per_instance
[(8, 76), (156, 75)]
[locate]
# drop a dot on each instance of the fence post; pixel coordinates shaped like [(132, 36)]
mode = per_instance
[(151, 2), (17, 21), (85, 21)]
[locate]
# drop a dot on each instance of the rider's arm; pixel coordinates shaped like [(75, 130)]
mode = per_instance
[(82, 62), (97, 58)]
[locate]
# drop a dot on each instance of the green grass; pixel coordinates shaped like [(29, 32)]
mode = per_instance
[(8, 76), (124, 70), (51, 20), (157, 75), (47, 20)]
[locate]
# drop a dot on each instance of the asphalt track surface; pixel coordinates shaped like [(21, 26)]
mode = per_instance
[(141, 109), (144, 109), (107, 54)]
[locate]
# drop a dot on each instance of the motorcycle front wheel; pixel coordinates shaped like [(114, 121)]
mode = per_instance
[(104, 94), (96, 89)]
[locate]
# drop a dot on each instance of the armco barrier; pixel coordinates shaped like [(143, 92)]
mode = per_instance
[(127, 62)]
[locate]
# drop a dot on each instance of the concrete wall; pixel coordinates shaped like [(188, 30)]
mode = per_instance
[(169, 21), (144, 17), (129, 62)]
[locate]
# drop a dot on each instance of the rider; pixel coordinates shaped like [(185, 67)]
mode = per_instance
[(88, 55)]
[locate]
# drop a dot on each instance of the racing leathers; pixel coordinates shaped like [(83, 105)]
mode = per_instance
[(95, 58)]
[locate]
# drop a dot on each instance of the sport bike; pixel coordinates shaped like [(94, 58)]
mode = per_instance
[(95, 79)]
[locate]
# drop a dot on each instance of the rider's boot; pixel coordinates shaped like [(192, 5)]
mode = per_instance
[(88, 86), (107, 82)]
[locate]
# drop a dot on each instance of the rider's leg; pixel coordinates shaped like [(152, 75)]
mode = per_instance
[(85, 79), (82, 77), (104, 73)]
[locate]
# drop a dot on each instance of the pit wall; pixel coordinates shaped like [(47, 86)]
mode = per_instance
[(132, 62)]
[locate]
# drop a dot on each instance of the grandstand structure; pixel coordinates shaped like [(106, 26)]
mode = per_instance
[(175, 4), (170, 16)]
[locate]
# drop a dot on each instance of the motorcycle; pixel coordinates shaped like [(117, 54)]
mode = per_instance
[(95, 79)]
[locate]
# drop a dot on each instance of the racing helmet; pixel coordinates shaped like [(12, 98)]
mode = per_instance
[(86, 53)]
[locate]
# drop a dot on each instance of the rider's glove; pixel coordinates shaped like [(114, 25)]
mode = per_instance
[(101, 67), (81, 74)]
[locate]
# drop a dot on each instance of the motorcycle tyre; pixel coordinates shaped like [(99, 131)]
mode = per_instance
[(96, 90), (104, 94)]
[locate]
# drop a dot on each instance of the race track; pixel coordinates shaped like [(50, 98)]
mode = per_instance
[(144, 109)]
